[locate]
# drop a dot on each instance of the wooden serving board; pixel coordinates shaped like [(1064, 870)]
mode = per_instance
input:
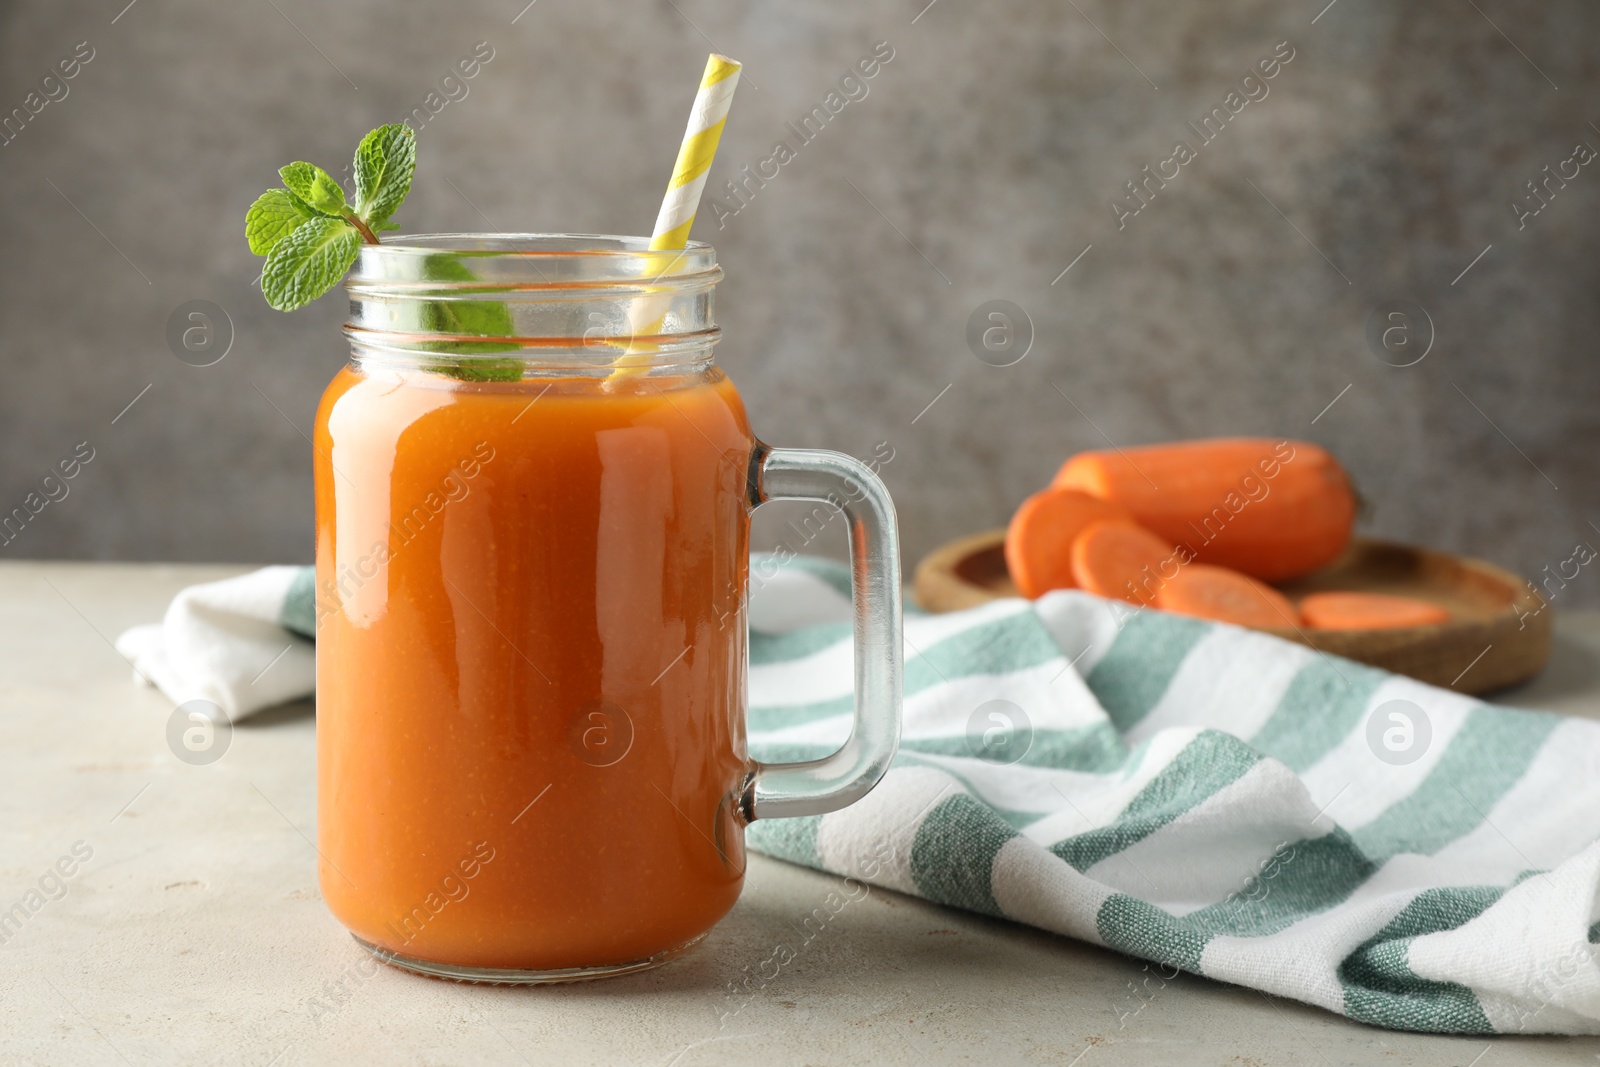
[(1498, 633)]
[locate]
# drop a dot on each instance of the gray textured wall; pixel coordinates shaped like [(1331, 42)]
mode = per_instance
[(984, 160)]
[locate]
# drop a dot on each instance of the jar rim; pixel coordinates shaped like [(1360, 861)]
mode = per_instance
[(585, 300), (555, 259)]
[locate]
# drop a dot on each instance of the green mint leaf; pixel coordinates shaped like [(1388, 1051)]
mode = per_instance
[(275, 215), (309, 262), (315, 186), (382, 226), (384, 165), (470, 318)]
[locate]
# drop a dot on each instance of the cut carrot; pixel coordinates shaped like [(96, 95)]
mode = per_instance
[(1272, 509), (1121, 559), (1368, 611), (1039, 539), (1227, 596)]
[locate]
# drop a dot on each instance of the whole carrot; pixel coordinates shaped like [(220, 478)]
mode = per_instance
[(1273, 509)]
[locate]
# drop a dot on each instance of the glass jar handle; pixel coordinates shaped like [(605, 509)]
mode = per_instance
[(781, 790)]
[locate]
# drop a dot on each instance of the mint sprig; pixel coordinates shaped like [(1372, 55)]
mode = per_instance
[(308, 231)]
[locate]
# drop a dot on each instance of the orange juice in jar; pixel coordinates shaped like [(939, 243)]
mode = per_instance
[(532, 552)]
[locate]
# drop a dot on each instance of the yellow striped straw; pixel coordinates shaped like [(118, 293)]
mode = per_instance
[(699, 147), (682, 201)]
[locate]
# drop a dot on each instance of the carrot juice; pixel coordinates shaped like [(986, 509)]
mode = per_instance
[(531, 663)]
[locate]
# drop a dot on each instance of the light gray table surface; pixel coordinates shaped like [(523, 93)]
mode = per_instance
[(196, 934)]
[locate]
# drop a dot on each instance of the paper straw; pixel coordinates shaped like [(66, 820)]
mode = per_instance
[(682, 201), (699, 147)]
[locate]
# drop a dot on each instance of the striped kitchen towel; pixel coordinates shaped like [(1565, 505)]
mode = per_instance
[(1210, 799)]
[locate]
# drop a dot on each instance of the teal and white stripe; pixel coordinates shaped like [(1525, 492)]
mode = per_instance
[(1205, 797)]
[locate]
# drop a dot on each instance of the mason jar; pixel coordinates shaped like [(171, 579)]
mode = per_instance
[(533, 494)]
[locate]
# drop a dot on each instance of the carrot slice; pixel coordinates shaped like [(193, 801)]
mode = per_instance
[(1120, 559), (1227, 596), (1039, 539), (1368, 611), (1272, 509)]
